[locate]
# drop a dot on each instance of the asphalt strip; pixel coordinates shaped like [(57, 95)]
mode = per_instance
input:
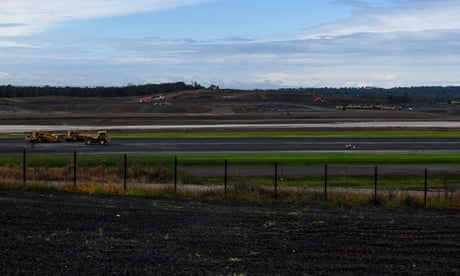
[(10, 129)]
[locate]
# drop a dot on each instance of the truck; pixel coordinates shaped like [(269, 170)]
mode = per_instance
[(100, 137)]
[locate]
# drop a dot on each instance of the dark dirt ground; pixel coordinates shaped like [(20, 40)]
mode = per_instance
[(204, 107), (57, 233)]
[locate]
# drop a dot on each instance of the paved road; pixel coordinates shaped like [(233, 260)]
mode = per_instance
[(9, 129), (240, 145)]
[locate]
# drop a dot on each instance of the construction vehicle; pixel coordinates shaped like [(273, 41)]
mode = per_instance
[(145, 99), (100, 137), (320, 100), (45, 137), (150, 99), (73, 136), (159, 98), (369, 107)]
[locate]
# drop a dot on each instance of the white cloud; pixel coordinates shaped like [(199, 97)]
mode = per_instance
[(405, 16), (25, 17), (4, 75), (15, 44), (407, 43)]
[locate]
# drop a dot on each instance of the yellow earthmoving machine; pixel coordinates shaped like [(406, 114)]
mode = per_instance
[(45, 137), (73, 136), (100, 137)]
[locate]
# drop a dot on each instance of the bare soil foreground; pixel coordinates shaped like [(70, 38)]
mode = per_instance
[(57, 233)]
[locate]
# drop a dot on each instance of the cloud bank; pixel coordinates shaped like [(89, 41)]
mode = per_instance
[(405, 16), (27, 17), (400, 43)]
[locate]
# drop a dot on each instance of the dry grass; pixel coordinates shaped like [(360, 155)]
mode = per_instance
[(157, 182)]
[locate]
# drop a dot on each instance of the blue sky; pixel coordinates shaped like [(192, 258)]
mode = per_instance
[(231, 43)]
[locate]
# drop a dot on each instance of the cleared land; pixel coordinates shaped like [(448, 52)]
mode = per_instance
[(66, 233), (207, 107)]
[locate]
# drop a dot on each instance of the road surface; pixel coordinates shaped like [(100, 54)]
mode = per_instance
[(16, 129), (175, 146)]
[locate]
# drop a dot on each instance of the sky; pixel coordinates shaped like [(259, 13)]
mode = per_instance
[(242, 44)]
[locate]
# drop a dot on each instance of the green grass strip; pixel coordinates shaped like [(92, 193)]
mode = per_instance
[(333, 159), (252, 159)]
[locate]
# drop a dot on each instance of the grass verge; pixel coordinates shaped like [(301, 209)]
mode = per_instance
[(257, 194), (244, 159), (103, 175)]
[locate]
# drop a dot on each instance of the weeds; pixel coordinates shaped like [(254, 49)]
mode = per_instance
[(269, 224), (234, 259), (106, 177)]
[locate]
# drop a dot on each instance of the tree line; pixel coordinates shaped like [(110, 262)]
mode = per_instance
[(423, 94), (401, 95), (7, 91)]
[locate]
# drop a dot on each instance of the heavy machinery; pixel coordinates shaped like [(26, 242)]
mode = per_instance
[(73, 136), (90, 137), (45, 137), (100, 137), (320, 100), (150, 99)]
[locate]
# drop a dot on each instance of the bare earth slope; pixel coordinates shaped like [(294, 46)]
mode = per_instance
[(56, 233), (207, 107)]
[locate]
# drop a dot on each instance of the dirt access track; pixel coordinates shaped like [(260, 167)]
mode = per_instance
[(57, 233)]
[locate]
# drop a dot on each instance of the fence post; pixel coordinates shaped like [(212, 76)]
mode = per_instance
[(426, 186), (276, 179), (175, 174), (325, 182), (24, 167), (225, 178), (375, 186), (125, 175), (74, 170)]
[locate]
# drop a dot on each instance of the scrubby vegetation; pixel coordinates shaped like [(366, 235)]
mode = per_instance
[(157, 177)]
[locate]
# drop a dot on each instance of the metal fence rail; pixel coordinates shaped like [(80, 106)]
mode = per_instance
[(127, 172)]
